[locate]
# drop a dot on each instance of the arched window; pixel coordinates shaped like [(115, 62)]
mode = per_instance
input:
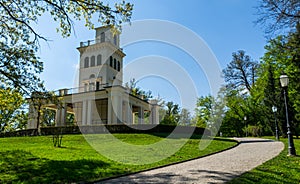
[(99, 59), (115, 64), (110, 61), (86, 62), (92, 61), (92, 76), (119, 66)]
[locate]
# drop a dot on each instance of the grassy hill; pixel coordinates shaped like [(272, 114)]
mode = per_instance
[(36, 160)]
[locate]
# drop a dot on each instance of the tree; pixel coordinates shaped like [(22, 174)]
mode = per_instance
[(137, 91), (38, 100), (172, 114), (236, 109), (278, 15), (12, 115), (240, 73), (283, 54), (204, 108), (48, 117), (185, 117), (19, 42)]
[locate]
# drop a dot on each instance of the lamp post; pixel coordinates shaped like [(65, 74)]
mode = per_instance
[(274, 109), (284, 81), (245, 119)]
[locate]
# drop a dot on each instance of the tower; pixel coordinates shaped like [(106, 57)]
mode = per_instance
[(101, 61)]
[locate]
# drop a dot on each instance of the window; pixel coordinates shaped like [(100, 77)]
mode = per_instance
[(119, 66), (92, 76), (86, 62), (102, 37), (99, 59), (115, 64), (110, 61), (97, 85), (92, 61)]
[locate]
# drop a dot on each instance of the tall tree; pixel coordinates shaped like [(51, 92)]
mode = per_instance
[(283, 54), (240, 73), (19, 41), (278, 15)]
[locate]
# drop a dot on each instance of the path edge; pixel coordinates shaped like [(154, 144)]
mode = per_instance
[(180, 162)]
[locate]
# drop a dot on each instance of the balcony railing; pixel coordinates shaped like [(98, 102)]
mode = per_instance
[(93, 42)]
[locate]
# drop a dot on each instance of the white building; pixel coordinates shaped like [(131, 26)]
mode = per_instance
[(100, 97)]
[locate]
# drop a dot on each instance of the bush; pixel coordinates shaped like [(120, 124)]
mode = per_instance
[(252, 130)]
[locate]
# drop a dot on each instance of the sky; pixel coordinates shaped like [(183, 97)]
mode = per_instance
[(223, 26)]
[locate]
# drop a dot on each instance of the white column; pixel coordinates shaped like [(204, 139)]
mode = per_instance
[(130, 113), (84, 110), (133, 118), (127, 113), (32, 117), (154, 112), (119, 113), (109, 110), (89, 112), (63, 115), (141, 115), (58, 117)]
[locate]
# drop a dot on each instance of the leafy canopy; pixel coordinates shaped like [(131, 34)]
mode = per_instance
[(19, 41)]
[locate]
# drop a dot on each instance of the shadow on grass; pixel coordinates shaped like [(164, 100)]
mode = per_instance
[(19, 166), (171, 177), (265, 177)]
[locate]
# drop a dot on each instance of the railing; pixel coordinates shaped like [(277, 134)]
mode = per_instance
[(89, 42), (93, 42), (70, 91)]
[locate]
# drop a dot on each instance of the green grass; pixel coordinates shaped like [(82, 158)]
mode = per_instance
[(35, 160), (281, 169)]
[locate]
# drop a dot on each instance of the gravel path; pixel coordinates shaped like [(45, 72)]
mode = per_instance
[(217, 168)]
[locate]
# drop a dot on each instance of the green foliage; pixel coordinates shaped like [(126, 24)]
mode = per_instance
[(137, 91), (172, 114), (38, 100), (35, 160), (19, 65), (184, 117), (282, 54), (48, 117), (253, 131), (12, 115)]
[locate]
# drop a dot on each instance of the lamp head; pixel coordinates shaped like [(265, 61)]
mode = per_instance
[(284, 80), (274, 109)]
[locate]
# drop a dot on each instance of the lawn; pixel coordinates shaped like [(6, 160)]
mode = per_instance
[(281, 169), (35, 160)]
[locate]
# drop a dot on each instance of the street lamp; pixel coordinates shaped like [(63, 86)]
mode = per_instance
[(274, 109), (284, 81), (245, 119)]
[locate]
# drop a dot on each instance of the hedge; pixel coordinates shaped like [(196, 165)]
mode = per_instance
[(96, 129)]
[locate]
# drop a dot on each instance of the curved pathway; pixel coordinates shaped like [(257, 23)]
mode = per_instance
[(217, 168)]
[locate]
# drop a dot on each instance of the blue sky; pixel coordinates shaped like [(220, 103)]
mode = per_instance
[(225, 25)]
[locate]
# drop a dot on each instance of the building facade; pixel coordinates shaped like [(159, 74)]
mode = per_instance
[(100, 97)]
